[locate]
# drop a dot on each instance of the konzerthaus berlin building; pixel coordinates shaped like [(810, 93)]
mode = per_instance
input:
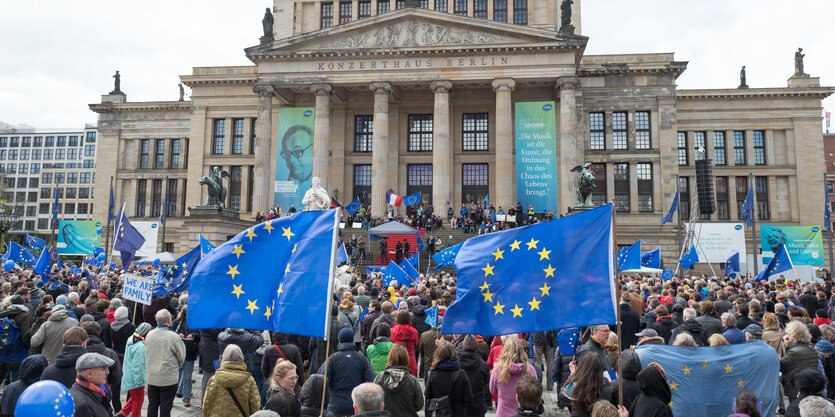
[(460, 99)]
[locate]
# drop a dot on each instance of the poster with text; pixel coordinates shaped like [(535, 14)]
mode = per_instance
[(78, 237), (294, 158), (718, 241), (150, 231), (804, 243), (536, 157)]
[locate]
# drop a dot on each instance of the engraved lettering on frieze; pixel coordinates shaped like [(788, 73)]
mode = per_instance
[(414, 34)]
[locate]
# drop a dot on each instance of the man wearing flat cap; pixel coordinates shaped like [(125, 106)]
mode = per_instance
[(91, 372)]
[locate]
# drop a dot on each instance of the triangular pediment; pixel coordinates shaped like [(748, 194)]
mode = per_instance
[(414, 29)]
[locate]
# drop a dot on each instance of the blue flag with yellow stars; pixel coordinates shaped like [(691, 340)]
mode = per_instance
[(276, 275), (732, 265), (34, 242), (394, 273), (205, 246), (21, 255), (92, 280), (42, 265), (629, 258), (668, 274), (704, 380), (781, 262), (353, 207), (178, 278), (446, 257), (410, 271), (414, 260), (432, 316), (341, 254), (127, 239), (545, 276), (55, 258), (567, 340), (651, 259), (689, 258)]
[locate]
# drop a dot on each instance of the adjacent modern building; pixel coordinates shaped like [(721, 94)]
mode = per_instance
[(36, 162), (436, 97)]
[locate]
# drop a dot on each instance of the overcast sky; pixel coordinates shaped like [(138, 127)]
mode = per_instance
[(57, 57)]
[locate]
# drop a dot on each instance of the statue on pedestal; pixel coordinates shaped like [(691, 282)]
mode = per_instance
[(585, 183), (214, 182), (117, 84), (743, 82), (316, 198), (565, 17), (267, 23), (182, 92), (798, 62)]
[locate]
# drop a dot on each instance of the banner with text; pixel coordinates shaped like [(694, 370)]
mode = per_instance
[(536, 157), (718, 241), (294, 158), (139, 289), (78, 237), (804, 243), (150, 231)]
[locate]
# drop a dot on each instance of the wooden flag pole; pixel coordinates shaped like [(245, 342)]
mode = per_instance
[(617, 306)]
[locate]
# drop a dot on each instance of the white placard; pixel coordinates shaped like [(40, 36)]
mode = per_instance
[(139, 289), (150, 231), (718, 241)]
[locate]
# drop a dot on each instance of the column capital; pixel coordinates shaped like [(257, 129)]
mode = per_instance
[(504, 84), (440, 86), (380, 87), (568, 83), (264, 90), (322, 89)]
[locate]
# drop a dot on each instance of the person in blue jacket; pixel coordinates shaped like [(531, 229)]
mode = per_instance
[(346, 369)]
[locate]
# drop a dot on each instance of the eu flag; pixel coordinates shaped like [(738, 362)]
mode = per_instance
[(630, 257), (431, 316), (412, 199), (689, 258), (673, 208), (747, 208), (651, 259), (178, 278), (42, 265), (732, 265), (545, 276), (55, 258), (111, 205), (667, 274), (410, 271), (271, 276), (341, 254), (446, 257), (127, 239), (414, 260), (353, 207), (394, 273), (567, 340), (34, 242), (92, 280), (370, 269), (704, 380), (781, 262), (827, 212), (205, 246), (21, 255)]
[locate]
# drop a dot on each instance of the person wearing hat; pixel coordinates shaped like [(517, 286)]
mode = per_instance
[(134, 377), (753, 332), (91, 372), (14, 323), (30, 372), (477, 372), (346, 369), (649, 337), (825, 362)]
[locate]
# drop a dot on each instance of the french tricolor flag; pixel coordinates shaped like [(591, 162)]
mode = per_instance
[(394, 199)]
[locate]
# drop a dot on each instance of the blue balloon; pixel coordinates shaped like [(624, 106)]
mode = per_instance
[(141, 262), (156, 263), (101, 256), (98, 231), (45, 398), (112, 265), (8, 265)]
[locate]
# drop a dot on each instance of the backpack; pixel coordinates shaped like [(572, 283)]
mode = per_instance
[(441, 406), (11, 346)]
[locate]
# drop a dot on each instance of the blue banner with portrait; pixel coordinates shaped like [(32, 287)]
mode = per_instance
[(804, 243), (294, 157), (78, 237), (536, 156)]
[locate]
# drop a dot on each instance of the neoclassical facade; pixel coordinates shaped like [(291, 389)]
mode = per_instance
[(423, 97)]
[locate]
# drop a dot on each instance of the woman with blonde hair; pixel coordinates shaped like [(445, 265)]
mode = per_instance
[(800, 354), (281, 393), (232, 390), (347, 314), (512, 364), (684, 339), (773, 334), (717, 340)]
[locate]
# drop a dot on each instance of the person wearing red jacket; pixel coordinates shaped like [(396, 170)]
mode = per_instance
[(403, 333)]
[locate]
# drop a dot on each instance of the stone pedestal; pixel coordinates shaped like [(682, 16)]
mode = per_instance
[(115, 97), (567, 30), (804, 80), (266, 40), (215, 224)]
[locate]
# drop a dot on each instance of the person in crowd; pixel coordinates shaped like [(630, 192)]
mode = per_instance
[(799, 355), (385, 317), (806, 383), (403, 393), (447, 379), (664, 323), (717, 340), (596, 344), (209, 353), (478, 374), (311, 397), (63, 370), (544, 344), (814, 406), (631, 368), (121, 330), (281, 392), (30, 372), (281, 348), (247, 341), (655, 396), (95, 345), (512, 364), (732, 334), (529, 397), (232, 390), (91, 373), (134, 372), (378, 352), (709, 322), (368, 401), (165, 354), (49, 335), (15, 320), (403, 333), (630, 322), (587, 385), (747, 404), (346, 369), (773, 334), (191, 341)]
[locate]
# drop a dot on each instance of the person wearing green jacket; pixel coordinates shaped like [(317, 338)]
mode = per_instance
[(134, 375), (378, 353), (403, 394)]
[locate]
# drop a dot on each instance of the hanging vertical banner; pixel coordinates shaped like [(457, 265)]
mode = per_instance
[(536, 157), (294, 158), (804, 243)]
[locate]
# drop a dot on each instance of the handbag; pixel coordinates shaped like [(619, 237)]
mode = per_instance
[(439, 407)]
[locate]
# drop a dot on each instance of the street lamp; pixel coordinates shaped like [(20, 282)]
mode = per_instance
[(8, 217)]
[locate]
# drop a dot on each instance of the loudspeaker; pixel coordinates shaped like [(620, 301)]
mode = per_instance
[(704, 186)]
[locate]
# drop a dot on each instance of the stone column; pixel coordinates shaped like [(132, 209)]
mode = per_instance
[(441, 147), (380, 148), (504, 173), (571, 146), (322, 132), (264, 187)]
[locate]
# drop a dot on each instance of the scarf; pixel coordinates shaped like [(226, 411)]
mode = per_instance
[(90, 386)]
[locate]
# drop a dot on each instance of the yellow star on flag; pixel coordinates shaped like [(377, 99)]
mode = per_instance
[(488, 270), (233, 270), (238, 250), (287, 233), (280, 289), (686, 370), (486, 286), (251, 306), (534, 304), (294, 248), (728, 368), (704, 364), (499, 307), (673, 385), (740, 383), (514, 245), (185, 265), (517, 311), (268, 313), (545, 289), (488, 296), (287, 269), (498, 254), (237, 290), (532, 244), (269, 227), (543, 254), (250, 233), (549, 272)]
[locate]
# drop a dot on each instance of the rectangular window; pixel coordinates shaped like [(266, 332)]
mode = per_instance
[(475, 131), (722, 205), (383, 6), (622, 187), (480, 9), (50, 141), (46, 178), (4, 141), (26, 142), (83, 192), (460, 7), (235, 174), (597, 131), (13, 154), (741, 193), (44, 223), (32, 211), (739, 148), (399, 4), (2, 154), (73, 140), (684, 202), (47, 154), (24, 154), (219, 132), (21, 182), (363, 132), (237, 136), (89, 150), (23, 169), (91, 137), (500, 10), (761, 188), (327, 15), (645, 189), (141, 190), (33, 182), (362, 183), (423, 4), (344, 12), (71, 192), (84, 178), (144, 153), (699, 142), (39, 141), (759, 147), (62, 141), (174, 162), (82, 208), (59, 177), (159, 154), (476, 182), (43, 208), (156, 198), (15, 142), (11, 168), (520, 12), (252, 135), (420, 133), (598, 193), (72, 177), (69, 208), (364, 9), (719, 148), (59, 153), (619, 130), (441, 6), (642, 130)]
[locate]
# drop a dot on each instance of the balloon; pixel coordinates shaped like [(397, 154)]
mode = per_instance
[(113, 265), (45, 398), (8, 265), (98, 231), (156, 263), (101, 256), (141, 262)]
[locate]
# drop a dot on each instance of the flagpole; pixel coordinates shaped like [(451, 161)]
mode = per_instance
[(109, 220), (328, 302), (678, 233), (828, 225), (617, 304), (754, 223), (164, 210), (115, 238)]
